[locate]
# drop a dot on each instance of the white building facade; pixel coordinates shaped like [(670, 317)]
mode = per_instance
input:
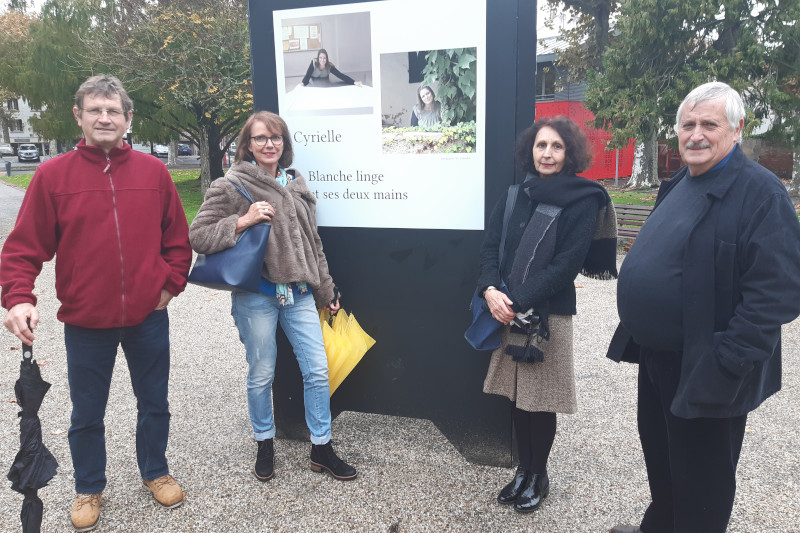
[(19, 130)]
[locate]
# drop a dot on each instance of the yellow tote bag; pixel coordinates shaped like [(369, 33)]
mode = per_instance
[(345, 344), (332, 347), (333, 343)]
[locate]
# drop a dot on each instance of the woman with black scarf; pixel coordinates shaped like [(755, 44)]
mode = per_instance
[(560, 225)]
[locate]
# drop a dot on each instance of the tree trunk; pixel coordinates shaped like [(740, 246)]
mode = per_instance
[(172, 157), (602, 17), (205, 162), (215, 158), (210, 155), (794, 186), (645, 163)]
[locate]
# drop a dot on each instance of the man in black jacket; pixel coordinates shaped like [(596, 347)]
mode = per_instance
[(702, 295)]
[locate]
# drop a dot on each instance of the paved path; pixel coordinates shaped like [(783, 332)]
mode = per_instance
[(10, 200), (411, 479)]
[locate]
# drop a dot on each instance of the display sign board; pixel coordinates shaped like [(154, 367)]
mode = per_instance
[(401, 209), (354, 143)]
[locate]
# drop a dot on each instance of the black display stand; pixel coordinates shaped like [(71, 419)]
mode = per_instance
[(410, 289)]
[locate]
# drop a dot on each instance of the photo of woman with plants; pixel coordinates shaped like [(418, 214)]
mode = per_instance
[(428, 101)]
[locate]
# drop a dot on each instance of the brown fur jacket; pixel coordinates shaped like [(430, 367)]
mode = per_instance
[(294, 251)]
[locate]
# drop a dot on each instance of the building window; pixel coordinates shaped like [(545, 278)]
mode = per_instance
[(416, 63), (16, 125), (545, 81), (13, 104)]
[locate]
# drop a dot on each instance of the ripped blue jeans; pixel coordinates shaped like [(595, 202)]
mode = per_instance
[(256, 316)]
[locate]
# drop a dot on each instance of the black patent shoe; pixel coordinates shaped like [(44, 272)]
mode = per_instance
[(536, 489), (324, 458), (511, 491), (264, 469)]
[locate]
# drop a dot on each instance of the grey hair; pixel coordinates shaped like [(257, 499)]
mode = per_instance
[(107, 86), (734, 106)]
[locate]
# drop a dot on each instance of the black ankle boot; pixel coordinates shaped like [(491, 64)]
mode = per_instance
[(264, 469), (536, 489), (511, 491), (324, 458)]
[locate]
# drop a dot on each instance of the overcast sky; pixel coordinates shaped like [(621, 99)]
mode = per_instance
[(544, 14)]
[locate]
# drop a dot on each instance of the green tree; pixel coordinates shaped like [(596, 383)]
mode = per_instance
[(187, 65), (154, 123), (587, 35), (18, 5), (455, 70), (6, 115), (42, 68), (663, 50), (14, 37), (776, 96)]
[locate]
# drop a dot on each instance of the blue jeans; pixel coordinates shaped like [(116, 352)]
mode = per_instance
[(91, 354), (257, 315)]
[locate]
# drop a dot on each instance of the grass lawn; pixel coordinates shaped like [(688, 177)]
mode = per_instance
[(188, 184), (20, 180), (647, 196), (633, 196), (186, 181)]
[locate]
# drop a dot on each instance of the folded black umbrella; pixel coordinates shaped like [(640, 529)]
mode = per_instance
[(34, 466)]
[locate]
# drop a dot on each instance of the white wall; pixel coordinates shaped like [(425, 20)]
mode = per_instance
[(27, 135)]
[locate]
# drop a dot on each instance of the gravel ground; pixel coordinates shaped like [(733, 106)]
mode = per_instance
[(410, 478)]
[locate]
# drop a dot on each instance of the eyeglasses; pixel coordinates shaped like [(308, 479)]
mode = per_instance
[(98, 112), (261, 140)]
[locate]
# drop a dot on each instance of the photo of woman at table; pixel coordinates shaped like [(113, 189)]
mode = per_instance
[(321, 69)]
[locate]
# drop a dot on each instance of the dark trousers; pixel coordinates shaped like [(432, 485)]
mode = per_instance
[(536, 432), (691, 463), (91, 354)]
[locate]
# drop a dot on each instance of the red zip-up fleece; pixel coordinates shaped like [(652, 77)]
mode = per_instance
[(118, 229)]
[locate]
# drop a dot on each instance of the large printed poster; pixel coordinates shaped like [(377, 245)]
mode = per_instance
[(385, 102)]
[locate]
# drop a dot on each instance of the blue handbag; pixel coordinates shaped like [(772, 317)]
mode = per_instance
[(484, 334), (238, 267)]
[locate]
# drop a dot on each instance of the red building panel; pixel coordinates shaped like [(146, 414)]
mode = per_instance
[(604, 162)]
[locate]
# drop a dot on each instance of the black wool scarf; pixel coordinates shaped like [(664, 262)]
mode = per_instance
[(567, 188)]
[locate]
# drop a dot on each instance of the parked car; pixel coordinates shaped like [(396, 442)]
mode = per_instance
[(144, 148), (184, 149), (6, 149), (161, 150), (28, 152)]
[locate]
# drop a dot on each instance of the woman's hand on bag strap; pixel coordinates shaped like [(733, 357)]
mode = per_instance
[(259, 212), (334, 306)]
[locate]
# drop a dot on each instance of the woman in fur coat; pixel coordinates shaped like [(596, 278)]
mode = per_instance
[(295, 282)]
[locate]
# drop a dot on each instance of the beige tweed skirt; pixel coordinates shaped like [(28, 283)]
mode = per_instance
[(546, 386)]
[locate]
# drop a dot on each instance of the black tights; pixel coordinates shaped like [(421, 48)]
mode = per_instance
[(536, 432)]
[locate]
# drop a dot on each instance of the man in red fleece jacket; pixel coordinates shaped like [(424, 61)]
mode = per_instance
[(115, 221)]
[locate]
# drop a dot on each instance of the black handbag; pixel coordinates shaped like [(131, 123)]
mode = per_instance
[(238, 267), (484, 334)]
